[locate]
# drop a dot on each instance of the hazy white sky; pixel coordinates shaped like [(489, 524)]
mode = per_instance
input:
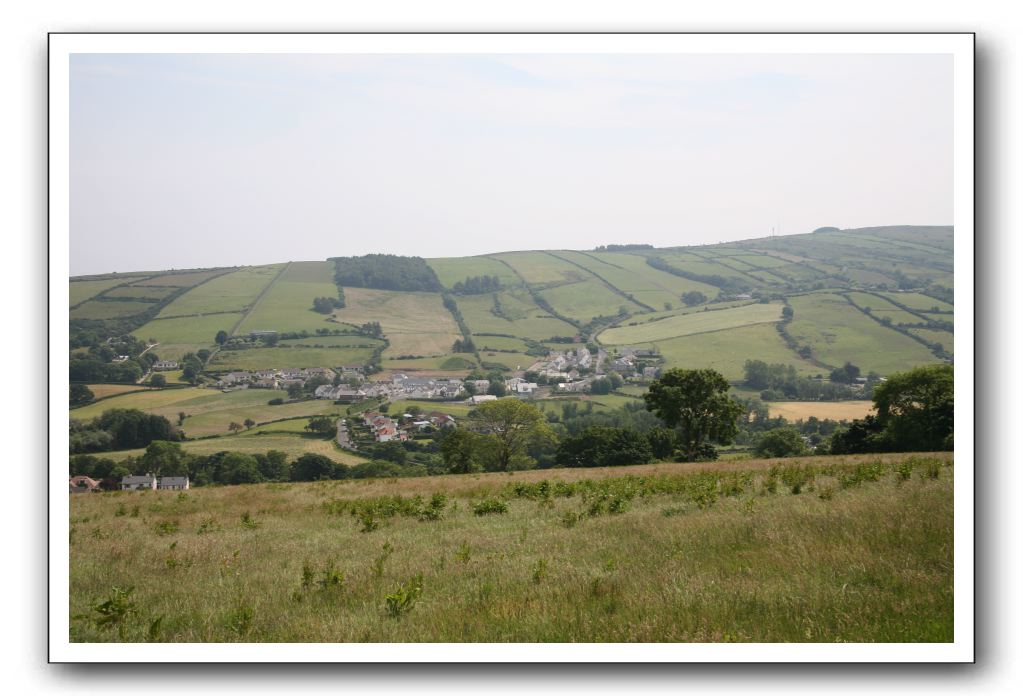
[(211, 160)]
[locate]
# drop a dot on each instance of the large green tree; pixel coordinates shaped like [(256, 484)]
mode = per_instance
[(513, 425), (780, 442), (697, 405), (164, 458), (600, 445), (916, 408)]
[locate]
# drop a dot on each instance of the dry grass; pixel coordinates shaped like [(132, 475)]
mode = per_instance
[(659, 561), (835, 410)]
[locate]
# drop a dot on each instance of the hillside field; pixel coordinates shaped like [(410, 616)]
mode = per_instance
[(815, 550)]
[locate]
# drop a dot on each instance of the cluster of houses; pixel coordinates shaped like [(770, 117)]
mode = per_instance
[(385, 429), (400, 386), (563, 366), (637, 361), (84, 484), (282, 378)]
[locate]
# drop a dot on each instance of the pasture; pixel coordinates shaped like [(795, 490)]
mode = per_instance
[(837, 332), (587, 299), (136, 292), (82, 290), (287, 304), (692, 323), (541, 268), (853, 549), (726, 351), (454, 270), (520, 316), (918, 301), (643, 273), (200, 331), (110, 309), (290, 356), (232, 292), (185, 279), (209, 411)]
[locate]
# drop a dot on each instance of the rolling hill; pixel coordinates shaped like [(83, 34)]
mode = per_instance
[(878, 297)]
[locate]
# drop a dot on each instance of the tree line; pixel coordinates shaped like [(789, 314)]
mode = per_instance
[(477, 285)]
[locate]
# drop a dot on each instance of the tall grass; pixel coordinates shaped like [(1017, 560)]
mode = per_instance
[(820, 549)]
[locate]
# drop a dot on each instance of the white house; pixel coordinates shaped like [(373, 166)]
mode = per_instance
[(473, 400), (138, 483), (173, 483)]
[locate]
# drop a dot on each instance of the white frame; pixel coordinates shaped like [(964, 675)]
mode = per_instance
[(959, 45)]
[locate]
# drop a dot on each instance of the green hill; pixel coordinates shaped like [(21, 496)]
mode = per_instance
[(879, 297)]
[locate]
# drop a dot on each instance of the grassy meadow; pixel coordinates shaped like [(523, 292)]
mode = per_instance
[(813, 550), (693, 323), (838, 332), (287, 302), (291, 356)]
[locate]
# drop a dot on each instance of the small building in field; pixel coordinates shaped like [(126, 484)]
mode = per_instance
[(163, 365), (82, 484), (473, 400), (173, 483), (138, 483)]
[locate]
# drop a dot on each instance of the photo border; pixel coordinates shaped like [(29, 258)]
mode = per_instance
[(960, 44)]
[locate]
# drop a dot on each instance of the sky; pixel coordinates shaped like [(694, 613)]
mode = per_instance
[(194, 160)]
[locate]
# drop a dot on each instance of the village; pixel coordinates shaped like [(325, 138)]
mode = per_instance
[(571, 371)]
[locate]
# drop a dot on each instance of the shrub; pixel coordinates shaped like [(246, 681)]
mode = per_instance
[(402, 600), (490, 506)]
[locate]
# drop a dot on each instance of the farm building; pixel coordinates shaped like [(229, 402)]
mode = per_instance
[(82, 484), (173, 483), (138, 483)]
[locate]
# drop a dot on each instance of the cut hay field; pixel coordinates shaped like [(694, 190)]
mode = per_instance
[(513, 361), (415, 323), (726, 351), (835, 410), (659, 553), (287, 304), (838, 332), (101, 391), (293, 356), (461, 363), (692, 323), (233, 292), (82, 290)]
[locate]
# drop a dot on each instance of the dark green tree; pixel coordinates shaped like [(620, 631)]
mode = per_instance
[(322, 425), (221, 338), (80, 394), (780, 442), (600, 445), (316, 467), (696, 403)]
